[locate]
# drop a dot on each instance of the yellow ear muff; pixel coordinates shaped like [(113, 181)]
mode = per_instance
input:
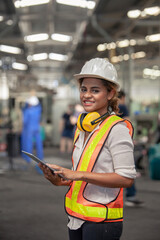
[(84, 121), (80, 120)]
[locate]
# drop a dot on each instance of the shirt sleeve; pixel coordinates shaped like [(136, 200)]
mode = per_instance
[(121, 147)]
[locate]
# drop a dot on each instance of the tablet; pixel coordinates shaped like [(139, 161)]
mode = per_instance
[(38, 160)]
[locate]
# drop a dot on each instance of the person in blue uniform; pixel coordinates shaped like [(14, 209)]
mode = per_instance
[(31, 128)]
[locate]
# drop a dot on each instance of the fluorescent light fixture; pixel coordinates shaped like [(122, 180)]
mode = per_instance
[(152, 11), (78, 3), (19, 66), (138, 55), (36, 37), (27, 3), (123, 43), (115, 59), (111, 45), (134, 13), (151, 72), (153, 37), (102, 47), (10, 49), (58, 57), (1, 18), (132, 42), (125, 57), (39, 56), (120, 44), (61, 37)]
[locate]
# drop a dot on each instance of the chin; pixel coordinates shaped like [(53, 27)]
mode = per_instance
[(88, 109)]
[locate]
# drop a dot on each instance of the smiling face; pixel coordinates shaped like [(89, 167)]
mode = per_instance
[(94, 95)]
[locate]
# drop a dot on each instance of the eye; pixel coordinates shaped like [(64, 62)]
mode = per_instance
[(83, 90), (95, 91)]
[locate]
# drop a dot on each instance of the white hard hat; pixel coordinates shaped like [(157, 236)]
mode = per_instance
[(99, 68), (33, 101)]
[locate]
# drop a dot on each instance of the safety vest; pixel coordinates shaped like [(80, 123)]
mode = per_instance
[(76, 204)]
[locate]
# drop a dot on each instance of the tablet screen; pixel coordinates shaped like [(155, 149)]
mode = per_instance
[(37, 159)]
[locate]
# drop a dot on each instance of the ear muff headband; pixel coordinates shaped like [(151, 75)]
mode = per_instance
[(101, 118), (87, 122)]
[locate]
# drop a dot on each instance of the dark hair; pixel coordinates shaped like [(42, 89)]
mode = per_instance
[(121, 94), (113, 103)]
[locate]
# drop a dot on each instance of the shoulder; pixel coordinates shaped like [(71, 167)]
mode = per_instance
[(120, 127), (119, 132)]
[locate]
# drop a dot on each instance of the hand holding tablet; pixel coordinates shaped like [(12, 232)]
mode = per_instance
[(36, 159)]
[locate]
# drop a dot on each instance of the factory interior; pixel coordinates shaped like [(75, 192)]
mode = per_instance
[(43, 43)]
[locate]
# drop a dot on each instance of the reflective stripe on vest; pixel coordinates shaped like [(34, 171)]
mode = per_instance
[(76, 205)]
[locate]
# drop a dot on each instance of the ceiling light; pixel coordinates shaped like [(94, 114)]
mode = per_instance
[(153, 37), (19, 66), (78, 3), (29, 58), (61, 37), (132, 42), (126, 57), (134, 13), (151, 72), (124, 43), (9, 22), (102, 47), (115, 59), (58, 57), (111, 45), (138, 55), (10, 49), (39, 56), (36, 37), (1, 18), (152, 11), (27, 3)]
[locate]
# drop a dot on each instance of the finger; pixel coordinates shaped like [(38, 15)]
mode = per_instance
[(54, 166)]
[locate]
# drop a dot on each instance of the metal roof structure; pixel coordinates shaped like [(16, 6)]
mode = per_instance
[(104, 31)]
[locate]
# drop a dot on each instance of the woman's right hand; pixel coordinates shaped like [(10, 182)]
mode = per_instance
[(54, 178)]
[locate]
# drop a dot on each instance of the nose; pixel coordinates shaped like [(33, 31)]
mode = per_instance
[(87, 94)]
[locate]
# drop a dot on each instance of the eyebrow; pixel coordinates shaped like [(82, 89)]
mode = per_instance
[(91, 87)]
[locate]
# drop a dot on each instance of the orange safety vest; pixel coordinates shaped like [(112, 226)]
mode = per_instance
[(76, 204)]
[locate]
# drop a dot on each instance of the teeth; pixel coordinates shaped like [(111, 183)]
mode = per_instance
[(87, 102)]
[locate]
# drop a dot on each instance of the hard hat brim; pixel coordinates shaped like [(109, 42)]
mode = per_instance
[(79, 76)]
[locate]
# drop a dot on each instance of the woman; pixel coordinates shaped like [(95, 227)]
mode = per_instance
[(103, 162)]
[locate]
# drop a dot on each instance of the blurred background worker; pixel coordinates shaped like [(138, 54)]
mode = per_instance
[(31, 133), (66, 128), (131, 199)]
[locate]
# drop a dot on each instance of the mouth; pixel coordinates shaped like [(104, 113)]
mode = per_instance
[(88, 103)]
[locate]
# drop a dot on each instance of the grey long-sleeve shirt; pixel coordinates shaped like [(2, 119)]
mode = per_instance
[(116, 156)]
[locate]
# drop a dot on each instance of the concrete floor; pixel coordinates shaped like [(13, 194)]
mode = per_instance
[(31, 208)]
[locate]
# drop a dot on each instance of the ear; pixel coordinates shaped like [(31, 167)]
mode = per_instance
[(111, 94)]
